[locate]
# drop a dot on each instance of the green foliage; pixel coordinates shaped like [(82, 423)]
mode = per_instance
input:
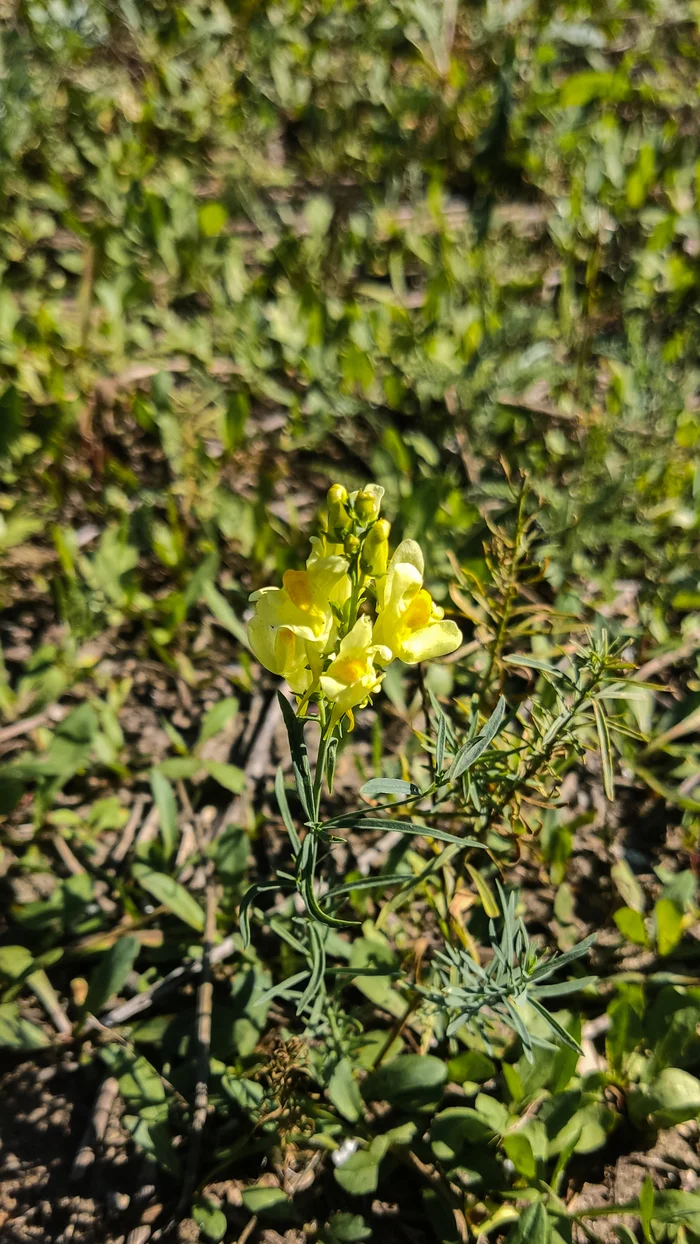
[(451, 249)]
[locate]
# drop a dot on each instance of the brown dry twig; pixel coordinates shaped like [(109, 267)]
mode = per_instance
[(95, 1129)]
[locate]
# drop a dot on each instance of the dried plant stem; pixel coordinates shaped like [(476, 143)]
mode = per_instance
[(396, 1029), (95, 1129)]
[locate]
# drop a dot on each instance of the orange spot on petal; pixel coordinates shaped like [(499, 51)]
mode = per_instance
[(419, 612), (296, 583)]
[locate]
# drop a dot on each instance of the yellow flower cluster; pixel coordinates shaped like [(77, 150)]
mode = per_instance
[(314, 630)]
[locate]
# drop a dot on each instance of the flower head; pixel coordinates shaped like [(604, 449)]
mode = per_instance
[(409, 623), (312, 630)]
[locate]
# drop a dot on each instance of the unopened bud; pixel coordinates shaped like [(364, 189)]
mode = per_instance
[(351, 545), (375, 550), (338, 517), (367, 504)]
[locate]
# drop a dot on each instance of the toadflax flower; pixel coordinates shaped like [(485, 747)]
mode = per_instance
[(296, 624), (315, 630), (409, 623), (351, 677)]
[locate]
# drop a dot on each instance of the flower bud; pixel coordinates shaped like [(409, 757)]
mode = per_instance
[(367, 503), (375, 550), (338, 517), (351, 545)]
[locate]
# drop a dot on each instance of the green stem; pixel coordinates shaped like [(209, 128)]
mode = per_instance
[(324, 740)]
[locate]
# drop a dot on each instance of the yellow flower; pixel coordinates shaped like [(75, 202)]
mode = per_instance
[(351, 677), (409, 622), (295, 625)]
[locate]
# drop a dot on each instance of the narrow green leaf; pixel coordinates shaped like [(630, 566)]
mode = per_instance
[(533, 663), (300, 758), (108, 977), (164, 799), (390, 786), (601, 722), (485, 893), (283, 805), (471, 751), (224, 614), (425, 831)]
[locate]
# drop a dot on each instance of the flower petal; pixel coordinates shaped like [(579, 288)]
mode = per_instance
[(435, 640)]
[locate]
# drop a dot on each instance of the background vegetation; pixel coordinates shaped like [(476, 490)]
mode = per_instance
[(247, 249)]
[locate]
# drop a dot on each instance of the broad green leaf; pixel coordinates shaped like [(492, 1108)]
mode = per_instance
[(453, 1129), (15, 961), (626, 883), (631, 925), (344, 1092), (164, 799), (210, 1219), (223, 613), (229, 776), (669, 925), (412, 1081), (267, 1202), (17, 1033), (531, 1228), (359, 1174), (519, 1150), (110, 974), (216, 718), (170, 893)]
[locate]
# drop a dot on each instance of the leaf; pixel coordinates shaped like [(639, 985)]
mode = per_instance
[(631, 925), (109, 975), (343, 1091), (646, 1207), (390, 786), (485, 893), (624, 1034), (300, 759), (170, 893), (531, 1228), (164, 799), (283, 805), (359, 1174), (442, 737), (229, 776), (533, 663), (412, 1081), (210, 1219), (453, 1129), (223, 613), (472, 1066), (471, 751), (212, 219), (669, 925), (346, 1228), (629, 888), (15, 961), (601, 722), (267, 1202), (216, 718), (425, 831), (17, 1033), (518, 1148)]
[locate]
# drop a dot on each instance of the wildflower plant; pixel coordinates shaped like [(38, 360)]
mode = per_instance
[(331, 630)]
